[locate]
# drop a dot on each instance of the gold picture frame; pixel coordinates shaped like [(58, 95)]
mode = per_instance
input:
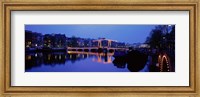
[(120, 5)]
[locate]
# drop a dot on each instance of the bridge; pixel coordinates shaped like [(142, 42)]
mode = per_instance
[(99, 47), (164, 63), (103, 39), (93, 49)]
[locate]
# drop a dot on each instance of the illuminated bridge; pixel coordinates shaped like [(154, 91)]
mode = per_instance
[(108, 47)]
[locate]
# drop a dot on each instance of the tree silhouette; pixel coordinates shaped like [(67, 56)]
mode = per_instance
[(162, 37), (155, 39)]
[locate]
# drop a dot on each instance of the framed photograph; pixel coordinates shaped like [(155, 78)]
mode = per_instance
[(99, 48)]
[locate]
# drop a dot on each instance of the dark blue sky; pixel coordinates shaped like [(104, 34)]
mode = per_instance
[(121, 33)]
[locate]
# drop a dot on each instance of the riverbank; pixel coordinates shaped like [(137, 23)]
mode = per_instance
[(45, 50)]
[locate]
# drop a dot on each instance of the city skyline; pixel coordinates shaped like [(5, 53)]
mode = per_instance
[(122, 33)]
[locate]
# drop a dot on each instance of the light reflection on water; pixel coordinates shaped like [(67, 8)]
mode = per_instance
[(72, 62)]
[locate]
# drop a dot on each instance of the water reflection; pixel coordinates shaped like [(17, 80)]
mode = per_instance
[(52, 62), (73, 61)]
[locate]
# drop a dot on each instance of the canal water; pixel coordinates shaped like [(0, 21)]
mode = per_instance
[(74, 62)]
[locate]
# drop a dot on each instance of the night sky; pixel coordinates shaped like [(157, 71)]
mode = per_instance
[(122, 33)]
